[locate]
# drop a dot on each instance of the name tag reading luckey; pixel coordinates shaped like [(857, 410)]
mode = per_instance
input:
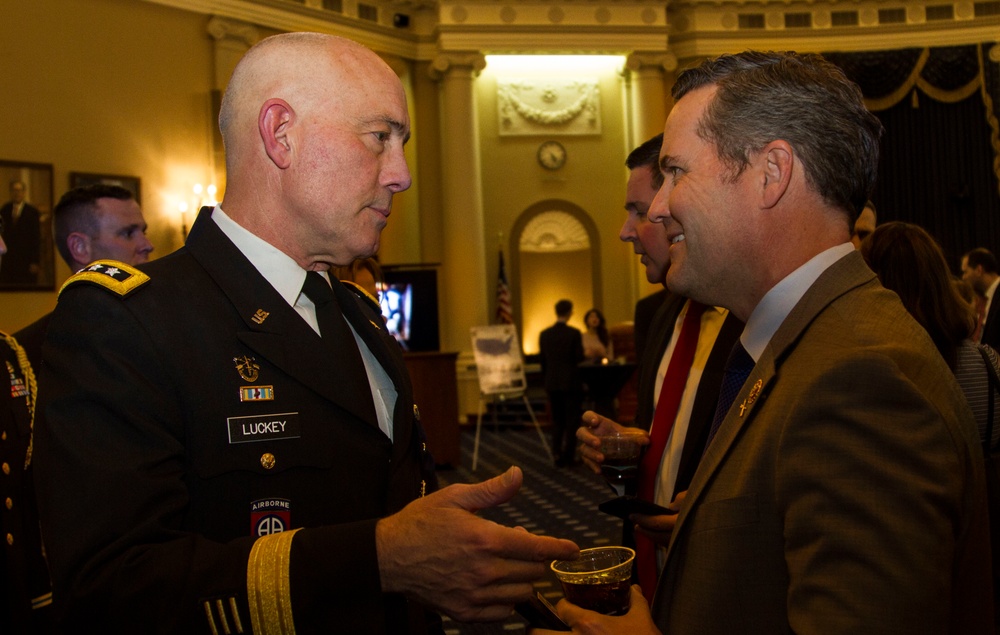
[(284, 425)]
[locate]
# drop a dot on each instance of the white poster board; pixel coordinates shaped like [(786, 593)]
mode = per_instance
[(498, 359)]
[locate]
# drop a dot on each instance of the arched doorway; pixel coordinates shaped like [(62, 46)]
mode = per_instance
[(555, 254)]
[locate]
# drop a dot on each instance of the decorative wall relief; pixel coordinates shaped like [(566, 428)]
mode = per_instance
[(548, 106)]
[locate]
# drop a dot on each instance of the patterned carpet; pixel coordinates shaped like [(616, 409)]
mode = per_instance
[(554, 501)]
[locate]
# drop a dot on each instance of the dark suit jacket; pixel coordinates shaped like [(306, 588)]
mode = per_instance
[(991, 326), (151, 495), (23, 240), (645, 311), (561, 348), (703, 410), (844, 491)]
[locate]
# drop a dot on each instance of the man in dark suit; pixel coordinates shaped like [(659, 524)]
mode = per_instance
[(843, 489), (672, 461), (561, 348), (979, 268), (22, 233), (645, 310), (229, 440)]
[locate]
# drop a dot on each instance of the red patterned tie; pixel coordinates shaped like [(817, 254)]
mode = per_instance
[(671, 392)]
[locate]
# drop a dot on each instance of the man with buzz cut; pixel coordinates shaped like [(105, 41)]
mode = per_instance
[(92, 222), (228, 440)]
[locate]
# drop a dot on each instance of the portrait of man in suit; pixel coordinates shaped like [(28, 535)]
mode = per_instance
[(22, 234), (26, 213)]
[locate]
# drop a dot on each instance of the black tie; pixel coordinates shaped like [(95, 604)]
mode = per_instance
[(738, 368), (333, 327)]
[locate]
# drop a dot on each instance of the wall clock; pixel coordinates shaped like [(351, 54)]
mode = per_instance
[(551, 155)]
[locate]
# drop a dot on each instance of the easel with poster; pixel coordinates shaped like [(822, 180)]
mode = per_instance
[(501, 374)]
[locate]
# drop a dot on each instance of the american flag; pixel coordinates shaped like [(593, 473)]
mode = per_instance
[(505, 314)]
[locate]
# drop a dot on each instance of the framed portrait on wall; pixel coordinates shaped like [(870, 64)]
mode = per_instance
[(130, 183), (26, 215)]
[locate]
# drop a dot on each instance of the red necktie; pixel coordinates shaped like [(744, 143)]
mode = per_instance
[(667, 405)]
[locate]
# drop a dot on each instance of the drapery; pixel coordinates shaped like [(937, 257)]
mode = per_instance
[(940, 156)]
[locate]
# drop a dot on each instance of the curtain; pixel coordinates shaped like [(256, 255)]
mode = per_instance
[(940, 157)]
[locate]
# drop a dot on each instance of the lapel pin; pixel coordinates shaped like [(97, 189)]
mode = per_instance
[(247, 368), (752, 397), (260, 316)]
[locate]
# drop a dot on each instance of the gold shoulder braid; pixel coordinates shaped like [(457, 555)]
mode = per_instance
[(30, 384), (117, 277)]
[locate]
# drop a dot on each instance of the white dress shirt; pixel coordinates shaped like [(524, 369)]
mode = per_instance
[(287, 278)]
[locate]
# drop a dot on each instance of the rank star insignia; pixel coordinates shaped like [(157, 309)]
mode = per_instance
[(247, 368), (115, 276)]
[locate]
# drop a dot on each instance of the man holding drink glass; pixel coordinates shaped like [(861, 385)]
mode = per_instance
[(229, 441), (843, 490)]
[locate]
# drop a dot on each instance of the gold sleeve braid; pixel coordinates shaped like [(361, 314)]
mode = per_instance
[(268, 585), (30, 384)]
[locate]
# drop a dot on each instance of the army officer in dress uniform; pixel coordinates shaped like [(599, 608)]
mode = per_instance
[(228, 442), (24, 578)]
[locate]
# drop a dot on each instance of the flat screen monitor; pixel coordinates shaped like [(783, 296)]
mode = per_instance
[(409, 306)]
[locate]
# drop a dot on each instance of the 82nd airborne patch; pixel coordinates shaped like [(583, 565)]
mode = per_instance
[(270, 516)]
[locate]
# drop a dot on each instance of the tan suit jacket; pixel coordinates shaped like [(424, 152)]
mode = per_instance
[(849, 497)]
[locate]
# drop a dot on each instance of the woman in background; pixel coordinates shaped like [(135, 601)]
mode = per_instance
[(909, 261), (596, 344)]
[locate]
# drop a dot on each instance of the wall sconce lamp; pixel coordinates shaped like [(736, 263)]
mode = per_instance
[(201, 196)]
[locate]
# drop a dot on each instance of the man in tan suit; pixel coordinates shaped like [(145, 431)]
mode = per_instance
[(843, 490)]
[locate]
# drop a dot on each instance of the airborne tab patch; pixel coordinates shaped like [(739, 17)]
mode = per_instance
[(115, 276)]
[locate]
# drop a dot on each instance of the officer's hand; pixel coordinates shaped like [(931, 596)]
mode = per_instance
[(436, 550)]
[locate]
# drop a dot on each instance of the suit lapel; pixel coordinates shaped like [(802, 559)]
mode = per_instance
[(370, 327), (661, 329), (270, 324), (844, 275)]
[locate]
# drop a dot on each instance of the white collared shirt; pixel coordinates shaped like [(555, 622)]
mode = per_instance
[(287, 278), (777, 303)]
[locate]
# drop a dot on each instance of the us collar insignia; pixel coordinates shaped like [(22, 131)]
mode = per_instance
[(247, 368), (259, 316), (752, 397)]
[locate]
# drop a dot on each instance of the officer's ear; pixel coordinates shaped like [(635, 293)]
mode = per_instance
[(79, 247), (274, 122)]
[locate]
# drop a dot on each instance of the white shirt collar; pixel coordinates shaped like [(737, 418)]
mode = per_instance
[(777, 303), (992, 289), (277, 267)]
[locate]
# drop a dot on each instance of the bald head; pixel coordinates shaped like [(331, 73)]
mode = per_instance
[(303, 69), (314, 127)]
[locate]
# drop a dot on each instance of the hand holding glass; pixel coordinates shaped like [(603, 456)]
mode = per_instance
[(599, 580), (621, 461)]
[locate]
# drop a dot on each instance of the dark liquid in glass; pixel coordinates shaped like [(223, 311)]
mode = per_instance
[(609, 598), (621, 474)]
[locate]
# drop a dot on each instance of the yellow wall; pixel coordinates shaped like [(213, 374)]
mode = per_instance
[(106, 86), (593, 179)]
